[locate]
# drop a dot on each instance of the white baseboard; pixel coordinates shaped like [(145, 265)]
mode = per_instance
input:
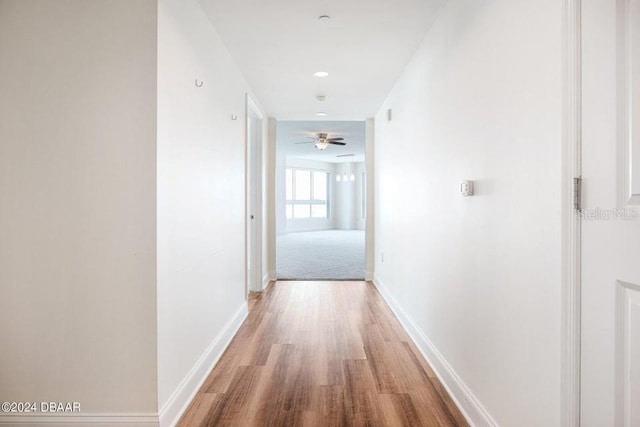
[(102, 420), (186, 391), (265, 280), (368, 276), (475, 414)]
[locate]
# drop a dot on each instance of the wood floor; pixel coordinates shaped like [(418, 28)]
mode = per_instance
[(321, 354)]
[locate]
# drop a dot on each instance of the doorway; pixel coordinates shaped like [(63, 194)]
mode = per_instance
[(254, 202), (321, 200)]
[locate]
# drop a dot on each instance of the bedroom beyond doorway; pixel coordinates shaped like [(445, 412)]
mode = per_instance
[(320, 200)]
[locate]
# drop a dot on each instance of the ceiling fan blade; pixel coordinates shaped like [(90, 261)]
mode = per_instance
[(336, 142), (335, 139)]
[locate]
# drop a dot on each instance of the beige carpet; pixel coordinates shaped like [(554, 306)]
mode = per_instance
[(330, 255)]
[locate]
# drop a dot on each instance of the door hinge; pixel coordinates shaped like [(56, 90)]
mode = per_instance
[(577, 194)]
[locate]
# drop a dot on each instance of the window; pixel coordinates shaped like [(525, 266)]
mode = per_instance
[(307, 192)]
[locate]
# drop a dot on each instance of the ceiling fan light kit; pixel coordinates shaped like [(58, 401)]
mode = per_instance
[(322, 141), (322, 144)]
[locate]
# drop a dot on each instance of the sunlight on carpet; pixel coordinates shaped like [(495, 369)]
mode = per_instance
[(330, 255)]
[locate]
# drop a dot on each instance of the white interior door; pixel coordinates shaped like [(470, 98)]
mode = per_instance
[(254, 202), (610, 358)]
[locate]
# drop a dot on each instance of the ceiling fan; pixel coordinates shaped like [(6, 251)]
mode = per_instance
[(322, 141)]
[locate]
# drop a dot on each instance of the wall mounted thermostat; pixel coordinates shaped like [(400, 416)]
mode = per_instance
[(466, 188)]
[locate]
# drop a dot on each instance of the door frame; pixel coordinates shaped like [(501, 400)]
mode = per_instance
[(369, 233), (253, 168), (571, 227)]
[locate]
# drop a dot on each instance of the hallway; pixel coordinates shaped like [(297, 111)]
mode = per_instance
[(146, 189), (321, 354)]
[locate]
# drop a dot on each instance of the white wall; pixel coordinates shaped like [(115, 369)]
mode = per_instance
[(370, 222), (479, 277), (348, 197), (359, 212), (201, 199), (280, 188), (270, 204), (78, 203), (345, 198)]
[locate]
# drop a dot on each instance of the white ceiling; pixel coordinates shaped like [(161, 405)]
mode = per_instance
[(290, 132), (279, 44)]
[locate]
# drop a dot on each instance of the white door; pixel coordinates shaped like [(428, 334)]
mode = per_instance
[(610, 366), (254, 202)]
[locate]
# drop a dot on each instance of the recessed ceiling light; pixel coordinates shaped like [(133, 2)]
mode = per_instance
[(321, 74), (321, 113), (321, 98), (324, 17)]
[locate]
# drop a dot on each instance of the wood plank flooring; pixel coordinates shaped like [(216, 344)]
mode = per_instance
[(321, 354)]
